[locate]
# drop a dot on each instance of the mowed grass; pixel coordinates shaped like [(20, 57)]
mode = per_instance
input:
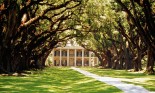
[(54, 80), (137, 78)]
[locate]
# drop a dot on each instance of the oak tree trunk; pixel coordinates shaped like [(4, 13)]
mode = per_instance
[(150, 61)]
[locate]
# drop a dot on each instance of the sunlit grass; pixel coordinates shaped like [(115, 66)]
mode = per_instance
[(137, 78), (54, 80)]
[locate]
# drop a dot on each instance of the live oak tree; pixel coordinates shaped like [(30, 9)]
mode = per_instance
[(29, 29), (132, 20), (100, 38), (141, 15), (120, 32)]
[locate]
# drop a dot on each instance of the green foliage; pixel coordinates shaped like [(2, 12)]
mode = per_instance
[(99, 16), (33, 28)]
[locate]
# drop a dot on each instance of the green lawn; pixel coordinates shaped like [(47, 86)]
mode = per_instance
[(137, 78), (54, 80)]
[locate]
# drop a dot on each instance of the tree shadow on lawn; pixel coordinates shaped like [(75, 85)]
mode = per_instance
[(149, 85), (137, 78), (54, 80), (114, 73)]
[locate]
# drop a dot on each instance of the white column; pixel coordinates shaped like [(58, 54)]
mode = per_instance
[(67, 57), (93, 60), (89, 58), (75, 57), (60, 58), (82, 57), (97, 61)]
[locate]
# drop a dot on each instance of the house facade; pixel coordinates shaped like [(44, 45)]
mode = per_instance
[(73, 56)]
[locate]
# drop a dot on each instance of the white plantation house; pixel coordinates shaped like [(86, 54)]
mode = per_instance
[(73, 55)]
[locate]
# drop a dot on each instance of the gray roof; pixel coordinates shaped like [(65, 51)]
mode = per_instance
[(70, 45)]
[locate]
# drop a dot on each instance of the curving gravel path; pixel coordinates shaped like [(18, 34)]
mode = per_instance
[(127, 88)]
